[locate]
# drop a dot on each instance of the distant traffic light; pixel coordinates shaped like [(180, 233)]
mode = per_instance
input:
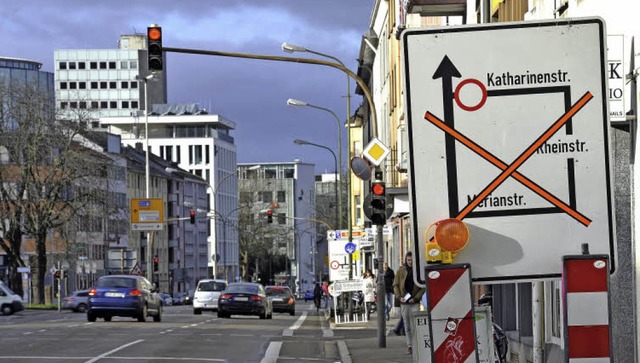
[(269, 216), (154, 48), (378, 203), (155, 263), (192, 217)]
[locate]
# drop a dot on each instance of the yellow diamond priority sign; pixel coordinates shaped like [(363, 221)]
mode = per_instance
[(376, 151)]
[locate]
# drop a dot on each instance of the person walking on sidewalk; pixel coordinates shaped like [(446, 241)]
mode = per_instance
[(409, 294), (389, 276)]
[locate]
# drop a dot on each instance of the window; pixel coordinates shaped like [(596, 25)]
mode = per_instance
[(83, 105), (134, 84), (197, 154), (63, 85), (266, 197), (94, 104), (134, 104), (113, 85), (93, 65), (177, 152), (94, 85), (103, 85), (64, 105), (125, 104), (104, 104), (62, 65), (124, 84), (282, 218), (103, 65), (282, 196), (73, 85), (133, 64), (82, 65), (206, 154), (113, 104), (72, 65), (124, 65), (82, 85), (112, 65), (73, 104)]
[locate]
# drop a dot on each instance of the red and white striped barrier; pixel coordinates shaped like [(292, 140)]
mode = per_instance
[(450, 306), (586, 308)]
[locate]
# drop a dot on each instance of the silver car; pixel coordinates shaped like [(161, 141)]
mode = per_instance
[(77, 301)]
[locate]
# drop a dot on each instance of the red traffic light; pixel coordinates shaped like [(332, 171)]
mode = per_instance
[(154, 48), (154, 33), (192, 217), (269, 212), (378, 188), (155, 259)]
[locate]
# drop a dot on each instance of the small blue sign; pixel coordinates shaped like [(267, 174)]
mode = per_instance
[(338, 234), (144, 203), (350, 247)]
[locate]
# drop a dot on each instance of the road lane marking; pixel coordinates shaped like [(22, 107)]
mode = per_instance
[(272, 353), (289, 331), (113, 351)]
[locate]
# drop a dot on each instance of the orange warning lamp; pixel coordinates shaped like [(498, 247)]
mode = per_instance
[(449, 237)]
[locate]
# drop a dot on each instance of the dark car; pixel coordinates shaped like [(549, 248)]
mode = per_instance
[(282, 299), (124, 295), (244, 298), (77, 301)]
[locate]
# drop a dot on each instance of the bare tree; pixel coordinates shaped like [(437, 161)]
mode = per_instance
[(47, 176)]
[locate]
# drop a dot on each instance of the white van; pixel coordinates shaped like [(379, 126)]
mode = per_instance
[(206, 295), (9, 302)]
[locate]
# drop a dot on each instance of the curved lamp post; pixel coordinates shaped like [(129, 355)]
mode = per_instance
[(292, 102), (335, 184)]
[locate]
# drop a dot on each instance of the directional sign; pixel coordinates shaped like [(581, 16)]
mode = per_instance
[(147, 214), (508, 132)]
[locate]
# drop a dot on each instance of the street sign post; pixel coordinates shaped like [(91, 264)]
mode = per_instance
[(339, 247), (508, 132)]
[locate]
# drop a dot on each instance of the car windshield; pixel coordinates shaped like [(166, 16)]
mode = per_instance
[(276, 291), (116, 282), (211, 286), (243, 289)]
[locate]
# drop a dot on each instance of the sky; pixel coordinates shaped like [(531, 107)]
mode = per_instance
[(251, 93)]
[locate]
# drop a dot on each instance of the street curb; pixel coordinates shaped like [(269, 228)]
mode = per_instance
[(345, 357)]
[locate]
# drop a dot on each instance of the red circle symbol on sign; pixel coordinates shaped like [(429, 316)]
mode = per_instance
[(334, 264), (483, 99)]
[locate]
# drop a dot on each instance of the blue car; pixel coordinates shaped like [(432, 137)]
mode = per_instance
[(124, 295), (308, 295)]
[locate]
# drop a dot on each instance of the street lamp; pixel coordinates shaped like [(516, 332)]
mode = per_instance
[(145, 79), (216, 213), (335, 184), (292, 102), (290, 48)]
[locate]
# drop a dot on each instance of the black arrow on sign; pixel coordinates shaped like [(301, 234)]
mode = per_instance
[(446, 70)]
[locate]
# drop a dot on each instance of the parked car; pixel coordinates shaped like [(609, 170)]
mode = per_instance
[(10, 302), (124, 295), (178, 298), (308, 295), (244, 298), (282, 299), (77, 301), (165, 299), (205, 297)]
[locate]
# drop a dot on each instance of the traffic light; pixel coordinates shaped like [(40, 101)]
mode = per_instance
[(378, 203), (155, 263), (269, 216), (192, 217), (154, 48)]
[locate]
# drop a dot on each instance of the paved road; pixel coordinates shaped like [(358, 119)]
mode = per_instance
[(52, 337)]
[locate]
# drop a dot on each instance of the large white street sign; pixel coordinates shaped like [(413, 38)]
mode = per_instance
[(339, 257), (508, 131)]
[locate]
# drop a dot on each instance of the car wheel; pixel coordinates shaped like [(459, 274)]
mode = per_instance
[(81, 308), (7, 310), (143, 315), (91, 317), (197, 312), (292, 312), (222, 315), (263, 315), (158, 317), (107, 318)]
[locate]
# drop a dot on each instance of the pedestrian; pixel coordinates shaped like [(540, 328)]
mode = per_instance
[(369, 285), (325, 294), (317, 296), (409, 294), (389, 276)]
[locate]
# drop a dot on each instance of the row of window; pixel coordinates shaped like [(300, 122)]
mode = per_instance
[(99, 85), (125, 64), (99, 105)]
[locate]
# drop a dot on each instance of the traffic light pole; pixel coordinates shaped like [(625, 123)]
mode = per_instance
[(381, 304)]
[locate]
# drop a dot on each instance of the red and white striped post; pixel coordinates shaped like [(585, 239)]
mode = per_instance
[(586, 308), (451, 313)]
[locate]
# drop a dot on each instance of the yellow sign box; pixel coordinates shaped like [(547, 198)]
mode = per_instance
[(147, 214)]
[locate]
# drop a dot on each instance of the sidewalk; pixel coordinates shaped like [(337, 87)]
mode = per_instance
[(360, 343)]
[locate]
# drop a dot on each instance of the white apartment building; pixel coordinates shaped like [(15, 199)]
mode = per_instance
[(288, 189), (201, 144), (105, 81)]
